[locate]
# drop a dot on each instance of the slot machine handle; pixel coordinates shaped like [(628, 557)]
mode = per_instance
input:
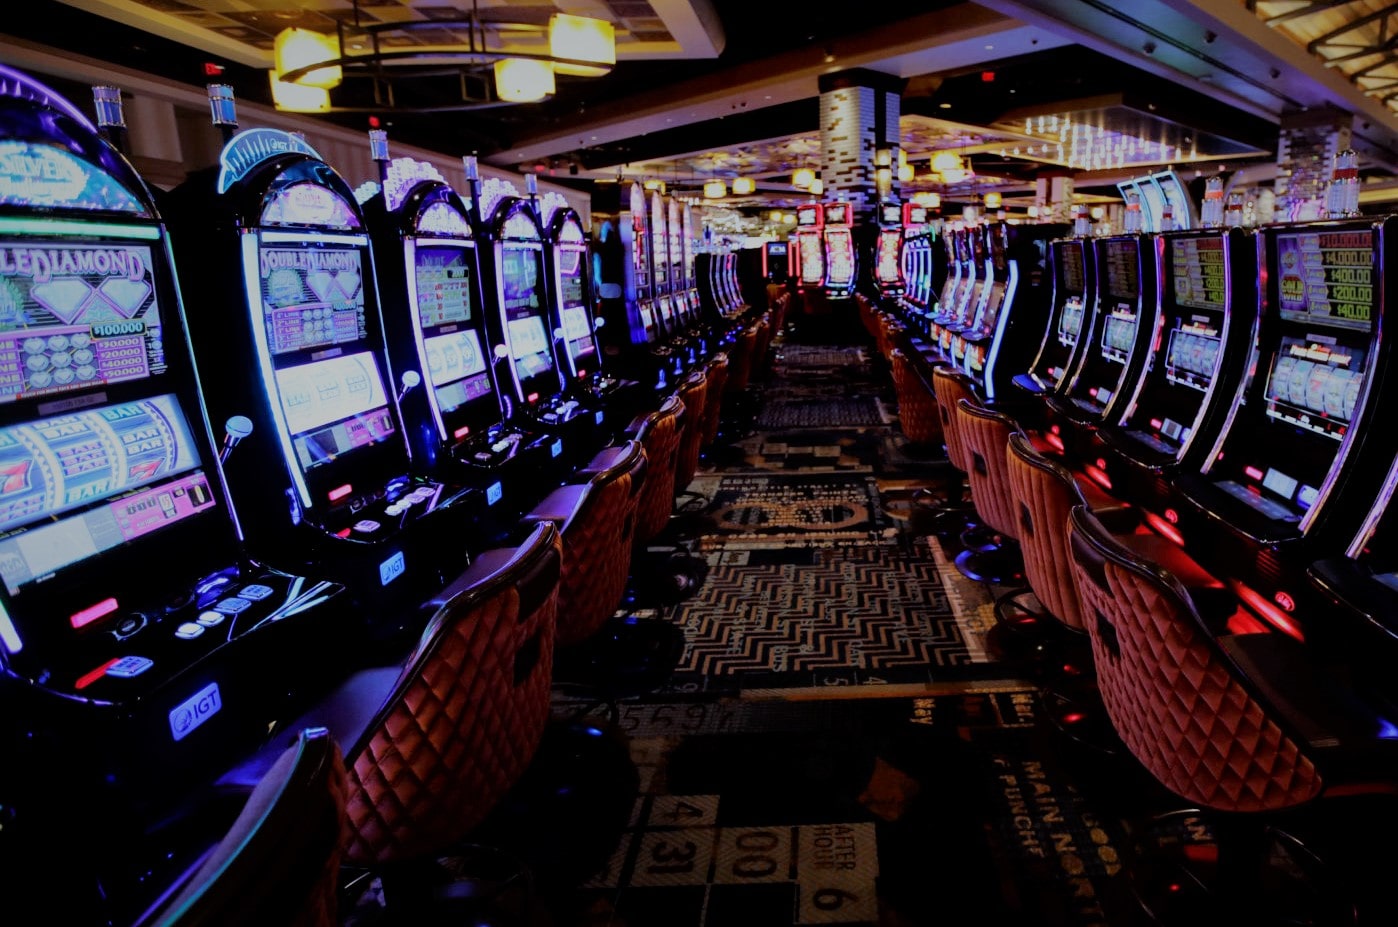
[(410, 380), (235, 429)]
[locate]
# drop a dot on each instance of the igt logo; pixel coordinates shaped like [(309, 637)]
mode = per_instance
[(194, 711)]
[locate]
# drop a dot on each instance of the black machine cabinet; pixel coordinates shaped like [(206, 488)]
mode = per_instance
[(435, 321), (1071, 262), (140, 651), (286, 326), (1307, 440)]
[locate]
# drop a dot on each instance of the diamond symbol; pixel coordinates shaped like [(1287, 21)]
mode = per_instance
[(320, 282), (127, 295), (64, 298)]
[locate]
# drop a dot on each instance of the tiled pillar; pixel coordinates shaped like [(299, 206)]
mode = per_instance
[(1306, 150), (859, 111), (1053, 194)]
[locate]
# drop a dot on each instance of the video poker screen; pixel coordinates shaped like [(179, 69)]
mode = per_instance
[(522, 288), (577, 323), (77, 484), (452, 353), (76, 316), (333, 406), (312, 295)]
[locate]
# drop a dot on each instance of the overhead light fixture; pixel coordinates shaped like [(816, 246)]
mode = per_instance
[(905, 173), (743, 186), (581, 39), (1098, 212), (817, 187), (294, 98), (928, 198), (775, 215), (715, 190), (655, 184), (944, 161), (883, 157), (803, 178), (789, 218), (523, 80), (406, 67), (992, 200)]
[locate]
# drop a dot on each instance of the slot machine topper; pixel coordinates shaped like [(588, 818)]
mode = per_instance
[(1306, 445), (140, 651), (435, 322), (888, 251), (289, 333), (1071, 261), (841, 261), (517, 319)]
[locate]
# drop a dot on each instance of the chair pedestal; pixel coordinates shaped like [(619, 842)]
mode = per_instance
[(999, 565)]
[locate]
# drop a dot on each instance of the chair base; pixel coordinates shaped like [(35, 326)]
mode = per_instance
[(1188, 871), (1075, 711), (998, 565), (659, 579), (626, 658)]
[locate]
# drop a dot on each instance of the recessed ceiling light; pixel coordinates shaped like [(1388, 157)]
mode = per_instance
[(939, 106)]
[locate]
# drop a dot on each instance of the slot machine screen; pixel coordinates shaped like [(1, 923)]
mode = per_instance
[(812, 255), (577, 324), (640, 240), (840, 251), (1065, 321), (952, 284), (984, 324), (997, 250), (312, 295), (891, 214), (1118, 310), (76, 316), (450, 338), (888, 259), (81, 483), (522, 289), (1307, 379), (333, 406), (1186, 362), (1173, 192)]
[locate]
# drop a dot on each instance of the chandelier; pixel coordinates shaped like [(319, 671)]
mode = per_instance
[(471, 61), (950, 168)]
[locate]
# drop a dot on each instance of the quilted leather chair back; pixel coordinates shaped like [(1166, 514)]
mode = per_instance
[(740, 360), (466, 714), (952, 387), (917, 405), (717, 373), (984, 435), (597, 547), (280, 861), (1169, 690), (694, 395), (659, 434), (1043, 492)]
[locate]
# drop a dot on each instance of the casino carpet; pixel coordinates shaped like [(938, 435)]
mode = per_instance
[(838, 745)]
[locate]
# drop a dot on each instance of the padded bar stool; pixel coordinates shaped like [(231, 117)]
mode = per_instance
[(952, 511), (280, 861), (716, 371), (917, 403), (1246, 726), (659, 434), (693, 395), (984, 435)]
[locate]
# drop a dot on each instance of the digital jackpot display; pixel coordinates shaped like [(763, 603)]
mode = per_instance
[(1070, 266), (76, 316), (1327, 277), (1121, 269), (1200, 277), (577, 326), (312, 295), (455, 358)]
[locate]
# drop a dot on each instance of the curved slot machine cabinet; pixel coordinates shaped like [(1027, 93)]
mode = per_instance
[(661, 283), (970, 346), (567, 267), (841, 259), (521, 332), (1115, 338), (810, 246), (971, 300), (686, 316), (286, 327), (140, 652), (1307, 439), (888, 251), (960, 287), (691, 279), (435, 322), (1074, 280), (1004, 342), (940, 310), (1208, 322)]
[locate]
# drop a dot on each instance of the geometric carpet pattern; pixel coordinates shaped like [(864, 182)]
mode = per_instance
[(805, 509), (819, 413)]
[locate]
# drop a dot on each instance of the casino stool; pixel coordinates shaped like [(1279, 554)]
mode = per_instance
[(761, 345), (437, 741), (279, 863), (984, 435), (951, 512), (668, 575), (693, 393), (917, 404), (716, 371), (739, 408), (1250, 728)]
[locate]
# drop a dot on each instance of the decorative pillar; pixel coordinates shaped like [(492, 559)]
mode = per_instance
[(1053, 194), (859, 112), (1306, 148)]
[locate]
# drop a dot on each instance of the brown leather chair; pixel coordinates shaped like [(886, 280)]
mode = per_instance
[(596, 515), (949, 511), (693, 393), (659, 434), (917, 404), (994, 554), (740, 361), (279, 863), (437, 741), (716, 371), (1243, 725)]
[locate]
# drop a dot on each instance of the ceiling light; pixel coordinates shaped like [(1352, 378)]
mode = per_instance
[(582, 38), (294, 98), (789, 218), (992, 200), (743, 186), (905, 173), (301, 48), (715, 190), (523, 80), (803, 178), (944, 161), (775, 215), (817, 187)]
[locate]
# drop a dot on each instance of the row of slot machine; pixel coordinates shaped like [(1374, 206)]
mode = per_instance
[(822, 249), (396, 372), (1235, 386), (665, 306), (986, 316)]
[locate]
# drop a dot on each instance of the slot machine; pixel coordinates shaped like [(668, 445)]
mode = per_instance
[(776, 266), (277, 263), (631, 335), (691, 278), (810, 246), (953, 304), (1003, 344), (1116, 338), (976, 290), (969, 345), (841, 262), (567, 266), (1072, 263), (1208, 320), (517, 321), (1307, 439), (141, 652), (434, 317), (888, 251), (660, 277)]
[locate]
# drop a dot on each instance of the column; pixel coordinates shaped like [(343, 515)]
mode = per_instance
[(859, 111)]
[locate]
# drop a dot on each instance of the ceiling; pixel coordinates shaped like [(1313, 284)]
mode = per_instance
[(721, 88)]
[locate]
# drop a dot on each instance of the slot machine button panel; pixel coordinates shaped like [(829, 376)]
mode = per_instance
[(232, 605), (255, 592), (367, 526), (129, 626), (189, 631), (128, 667), (210, 619)]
